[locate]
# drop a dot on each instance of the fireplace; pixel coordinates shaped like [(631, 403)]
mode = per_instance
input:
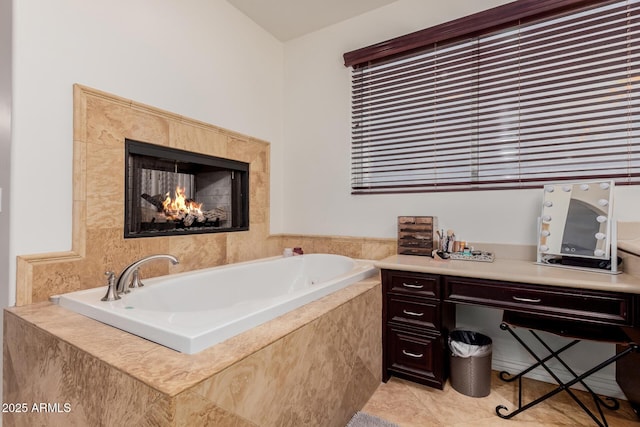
[(176, 192)]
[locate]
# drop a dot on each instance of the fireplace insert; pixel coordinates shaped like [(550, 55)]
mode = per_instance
[(176, 192)]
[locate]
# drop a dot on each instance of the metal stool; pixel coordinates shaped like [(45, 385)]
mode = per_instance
[(580, 331)]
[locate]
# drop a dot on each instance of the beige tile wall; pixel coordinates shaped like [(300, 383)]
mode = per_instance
[(354, 247), (101, 123)]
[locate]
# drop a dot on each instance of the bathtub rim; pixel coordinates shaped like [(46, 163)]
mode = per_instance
[(190, 342), (138, 357)]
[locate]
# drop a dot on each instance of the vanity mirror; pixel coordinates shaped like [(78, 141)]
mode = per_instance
[(576, 226)]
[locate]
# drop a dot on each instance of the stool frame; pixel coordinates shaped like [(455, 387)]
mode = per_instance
[(612, 403)]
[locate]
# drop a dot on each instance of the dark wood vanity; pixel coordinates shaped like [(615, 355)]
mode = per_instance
[(415, 327), (420, 298)]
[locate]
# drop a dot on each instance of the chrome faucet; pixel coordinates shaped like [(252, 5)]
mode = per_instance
[(132, 269)]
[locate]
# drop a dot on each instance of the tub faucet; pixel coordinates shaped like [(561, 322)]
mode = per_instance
[(125, 276)]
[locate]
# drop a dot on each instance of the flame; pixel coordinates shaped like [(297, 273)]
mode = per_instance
[(179, 206)]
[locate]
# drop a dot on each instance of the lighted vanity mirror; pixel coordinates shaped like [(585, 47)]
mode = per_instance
[(576, 223)]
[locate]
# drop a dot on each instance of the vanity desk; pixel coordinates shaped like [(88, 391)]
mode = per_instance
[(420, 295)]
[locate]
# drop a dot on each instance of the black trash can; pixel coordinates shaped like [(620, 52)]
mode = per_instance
[(470, 362)]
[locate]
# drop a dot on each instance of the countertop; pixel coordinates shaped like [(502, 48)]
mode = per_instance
[(511, 270)]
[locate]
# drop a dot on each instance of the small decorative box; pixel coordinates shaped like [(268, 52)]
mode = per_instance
[(416, 235)]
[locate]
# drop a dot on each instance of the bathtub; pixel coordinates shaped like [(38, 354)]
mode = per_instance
[(191, 311)]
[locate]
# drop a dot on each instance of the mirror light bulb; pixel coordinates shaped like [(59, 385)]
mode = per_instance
[(600, 236), (604, 185), (603, 202), (549, 188), (601, 219), (598, 252), (545, 233), (548, 203), (584, 187), (546, 218), (566, 188), (544, 248)]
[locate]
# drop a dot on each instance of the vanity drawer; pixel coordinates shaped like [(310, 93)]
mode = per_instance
[(559, 302), (422, 314), (419, 357), (415, 284)]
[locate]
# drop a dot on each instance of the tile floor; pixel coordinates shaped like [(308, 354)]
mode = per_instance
[(412, 405)]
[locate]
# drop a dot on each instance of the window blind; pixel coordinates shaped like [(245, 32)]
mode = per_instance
[(544, 100)]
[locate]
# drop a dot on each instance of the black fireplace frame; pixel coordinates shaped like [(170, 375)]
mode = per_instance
[(185, 162)]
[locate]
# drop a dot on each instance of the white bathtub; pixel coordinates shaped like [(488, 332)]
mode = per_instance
[(191, 311)]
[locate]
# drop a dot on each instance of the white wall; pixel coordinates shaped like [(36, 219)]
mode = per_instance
[(199, 58), (5, 154), (5, 145), (317, 139)]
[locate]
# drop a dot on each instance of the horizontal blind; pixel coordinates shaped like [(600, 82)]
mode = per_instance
[(541, 101)]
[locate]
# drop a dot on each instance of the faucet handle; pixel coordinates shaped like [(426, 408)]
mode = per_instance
[(111, 294), (135, 279), (111, 277)]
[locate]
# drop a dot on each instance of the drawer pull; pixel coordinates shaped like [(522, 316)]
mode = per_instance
[(407, 285), (412, 313), (417, 356), (535, 300)]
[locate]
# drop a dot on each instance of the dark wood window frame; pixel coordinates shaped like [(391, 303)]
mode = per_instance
[(381, 164)]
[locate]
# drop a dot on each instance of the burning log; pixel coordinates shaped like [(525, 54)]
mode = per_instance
[(155, 201), (183, 209), (192, 217), (188, 220), (216, 214)]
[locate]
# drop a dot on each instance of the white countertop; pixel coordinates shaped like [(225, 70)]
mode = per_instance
[(510, 270)]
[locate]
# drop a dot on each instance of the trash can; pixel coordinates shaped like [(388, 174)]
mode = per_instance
[(470, 363)]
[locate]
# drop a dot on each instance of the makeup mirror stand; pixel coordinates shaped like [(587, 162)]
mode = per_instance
[(613, 255), (593, 198)]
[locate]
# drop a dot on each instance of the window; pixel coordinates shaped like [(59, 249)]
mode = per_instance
[(544, 94)]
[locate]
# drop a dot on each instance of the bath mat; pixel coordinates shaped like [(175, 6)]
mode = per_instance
[(362, 419)]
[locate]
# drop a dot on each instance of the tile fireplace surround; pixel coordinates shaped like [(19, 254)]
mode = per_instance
[(101, 123)]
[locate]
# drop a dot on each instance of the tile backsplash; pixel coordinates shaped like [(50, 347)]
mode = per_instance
[(101, 124)]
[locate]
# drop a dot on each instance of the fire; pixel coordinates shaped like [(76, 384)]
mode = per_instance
[(181, 205)]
